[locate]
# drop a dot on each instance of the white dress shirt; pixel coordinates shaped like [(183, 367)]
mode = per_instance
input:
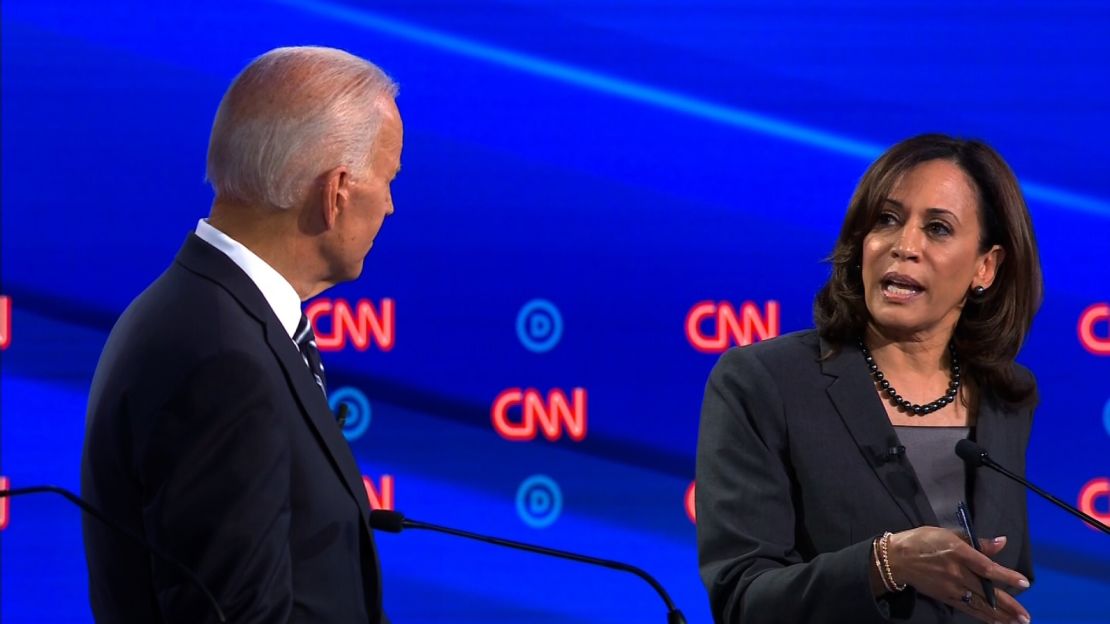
[(279, 293)]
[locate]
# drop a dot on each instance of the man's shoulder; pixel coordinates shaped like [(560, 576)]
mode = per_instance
[(177, 292), (180, 324), (183, 312)]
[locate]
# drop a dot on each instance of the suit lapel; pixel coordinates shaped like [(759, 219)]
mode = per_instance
[(852, 393), (987, 504), (319, 414), (200, 257)]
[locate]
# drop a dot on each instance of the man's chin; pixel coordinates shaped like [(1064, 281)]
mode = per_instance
[(356, 271), (346, 274)]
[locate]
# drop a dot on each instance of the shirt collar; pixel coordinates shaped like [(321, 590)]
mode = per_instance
[(279, 293)]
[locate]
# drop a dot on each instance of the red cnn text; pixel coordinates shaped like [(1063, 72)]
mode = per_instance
[(381, 497), (1095, 489), (691, 508), (554, 413), (5, 321), (335, 323), (714, 327), (1096, 344), (4, 504)]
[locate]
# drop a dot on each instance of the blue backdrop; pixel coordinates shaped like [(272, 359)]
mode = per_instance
[(621, 162)]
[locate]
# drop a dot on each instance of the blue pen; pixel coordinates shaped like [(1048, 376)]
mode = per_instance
[(964, 517)]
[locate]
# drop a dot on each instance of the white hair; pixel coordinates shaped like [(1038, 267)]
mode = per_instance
[(289, 116)]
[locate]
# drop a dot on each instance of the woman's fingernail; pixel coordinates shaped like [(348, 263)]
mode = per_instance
[(1024, 584), (1000, 539), (1024, 619)]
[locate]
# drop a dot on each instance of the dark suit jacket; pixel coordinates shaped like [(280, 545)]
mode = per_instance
[(207, 434), (794, 482)]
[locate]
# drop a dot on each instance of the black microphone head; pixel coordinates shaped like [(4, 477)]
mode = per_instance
[(971, 453), (386, 520)]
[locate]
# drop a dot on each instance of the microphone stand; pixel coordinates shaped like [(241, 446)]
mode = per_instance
[(131, 535), (990, 463), (394, 522), (975, 456)]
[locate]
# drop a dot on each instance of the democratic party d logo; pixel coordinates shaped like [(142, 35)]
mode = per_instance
[(539, 326), (358, 411)]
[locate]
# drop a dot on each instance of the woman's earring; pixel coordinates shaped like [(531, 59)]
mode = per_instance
[(979, 290)]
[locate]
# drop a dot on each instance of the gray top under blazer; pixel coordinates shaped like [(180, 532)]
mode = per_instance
[(794, 480)]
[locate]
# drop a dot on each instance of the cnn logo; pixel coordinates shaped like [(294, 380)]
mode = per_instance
[(336, 324), (381, 496), (5, 321), (4, 504), (714, 327), (1091, 341), (550, 414), (1094, 490)]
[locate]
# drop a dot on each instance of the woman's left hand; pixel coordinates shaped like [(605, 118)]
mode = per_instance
[(941, 565)]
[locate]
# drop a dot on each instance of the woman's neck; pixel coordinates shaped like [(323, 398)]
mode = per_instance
[(921, 355)]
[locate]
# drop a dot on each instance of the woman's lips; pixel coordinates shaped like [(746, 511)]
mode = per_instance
[(899, 287)]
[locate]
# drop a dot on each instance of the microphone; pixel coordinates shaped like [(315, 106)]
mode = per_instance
[(112, 524), (395, 522), (892, 453), (976, 456), (972, 454), (895, 453)]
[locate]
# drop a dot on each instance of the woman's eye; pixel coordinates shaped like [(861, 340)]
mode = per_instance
[(886, 218), (939, 228)]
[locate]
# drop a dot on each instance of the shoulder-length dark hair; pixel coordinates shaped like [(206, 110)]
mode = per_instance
[(993, 326)]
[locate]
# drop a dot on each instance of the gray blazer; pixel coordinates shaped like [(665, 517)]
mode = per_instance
[(794, 481)]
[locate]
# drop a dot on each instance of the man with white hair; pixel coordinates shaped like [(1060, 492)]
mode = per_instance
[(208, 431)]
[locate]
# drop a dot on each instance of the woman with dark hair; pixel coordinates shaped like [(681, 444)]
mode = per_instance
[(827, 481)]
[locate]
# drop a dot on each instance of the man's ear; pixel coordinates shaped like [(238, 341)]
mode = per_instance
[(336, 195)]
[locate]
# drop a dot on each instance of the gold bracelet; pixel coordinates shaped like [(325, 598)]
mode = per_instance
[(878, 562), (888, 574)]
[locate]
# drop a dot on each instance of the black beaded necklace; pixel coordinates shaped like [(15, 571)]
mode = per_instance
[(904, 405)]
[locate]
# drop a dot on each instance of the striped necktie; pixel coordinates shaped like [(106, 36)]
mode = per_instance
[(306, 342)]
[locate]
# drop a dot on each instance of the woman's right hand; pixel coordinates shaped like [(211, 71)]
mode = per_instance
[(941, 565)]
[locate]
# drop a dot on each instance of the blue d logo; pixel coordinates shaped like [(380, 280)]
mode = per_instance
[(358, 411), (539, 501), (539, 325)]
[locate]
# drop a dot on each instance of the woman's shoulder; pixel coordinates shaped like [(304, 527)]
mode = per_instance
[(1023, 374), (1012, 388), (788, 352)]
